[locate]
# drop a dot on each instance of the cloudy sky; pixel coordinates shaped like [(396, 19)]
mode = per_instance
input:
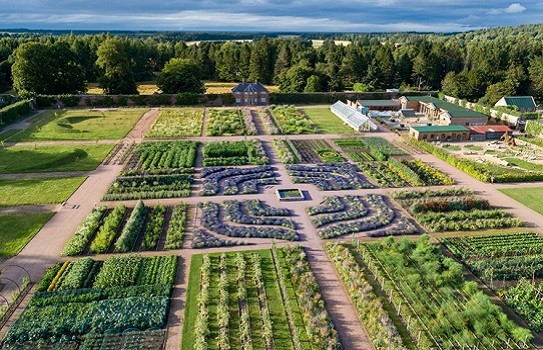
[(268, 15)]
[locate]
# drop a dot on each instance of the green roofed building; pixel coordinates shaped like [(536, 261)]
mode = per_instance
[(445, 133), (442, 112), (524, 104)]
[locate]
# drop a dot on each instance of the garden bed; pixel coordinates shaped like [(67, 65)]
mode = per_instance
[(329, 176), (315, 151), (233, 181), (258, 299), (226, 153), (177, 122), (225, 122), (122, 230), (91, 298)]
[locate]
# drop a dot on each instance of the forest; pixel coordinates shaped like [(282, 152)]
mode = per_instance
[(479, 66)]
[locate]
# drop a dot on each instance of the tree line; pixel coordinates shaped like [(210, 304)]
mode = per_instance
[(479, 66)]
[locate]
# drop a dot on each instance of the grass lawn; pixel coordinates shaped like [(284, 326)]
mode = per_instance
[(17, 230), (52, 158), (327, 122), (38, 191), (450, 147), (524, 164), (533, 140), (529, 196), (473, 147), (81, 124)]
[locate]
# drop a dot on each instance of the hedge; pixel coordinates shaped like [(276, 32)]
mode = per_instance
[(15, 111), (482, 172)]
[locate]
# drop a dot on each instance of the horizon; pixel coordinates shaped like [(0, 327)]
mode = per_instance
[(361, 16)]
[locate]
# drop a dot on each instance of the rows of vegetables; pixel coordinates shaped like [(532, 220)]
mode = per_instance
[(315, 151), (511, 264), (369, 214), (455, 212), (156, 170), (368, 148), (78, 301), (329, 176), (426, 296), (227, 153), (247, 219), (122, 230), (286, 152), (232, 181), (258, 299)]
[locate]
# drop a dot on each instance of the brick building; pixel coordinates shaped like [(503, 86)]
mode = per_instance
[(251, 94)]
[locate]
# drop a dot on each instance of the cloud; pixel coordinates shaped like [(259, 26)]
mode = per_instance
[(511, 9), (515, 8)]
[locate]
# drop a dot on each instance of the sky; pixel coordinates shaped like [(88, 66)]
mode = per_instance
[(268, 15)]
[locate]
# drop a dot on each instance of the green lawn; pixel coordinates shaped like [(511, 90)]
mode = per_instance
[(450, 147), (533, 140), (38, 191), (81, 125), (529, 196), (521, 163), (473, 147), (327, 122), (17, 230), (52, 158)]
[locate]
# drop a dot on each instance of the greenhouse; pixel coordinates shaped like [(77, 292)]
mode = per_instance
[(352, 117)]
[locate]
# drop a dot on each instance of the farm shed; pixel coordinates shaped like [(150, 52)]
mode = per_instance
[(352, 117), (489, 132), (443, 112), (523, 103), (251, 94), (440, 133), (375, 105)]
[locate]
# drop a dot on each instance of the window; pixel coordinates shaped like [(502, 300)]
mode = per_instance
[(262, 99), (238, 100)]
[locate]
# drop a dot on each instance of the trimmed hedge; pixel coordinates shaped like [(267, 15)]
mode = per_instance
[(479, 171), (15, 111)]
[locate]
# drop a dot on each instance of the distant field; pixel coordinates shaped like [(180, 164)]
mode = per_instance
[(149, 88), (327, 122), (81, 125), (51, 158), (319, 43), (529, 196), (38, 191), (17, 230)]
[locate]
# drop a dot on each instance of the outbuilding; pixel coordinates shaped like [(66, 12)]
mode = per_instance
[(444, 133), (524, 104), (251, 94), (489, 132)]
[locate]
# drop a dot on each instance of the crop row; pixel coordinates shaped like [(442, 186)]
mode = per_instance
[(162, 158), (255, 300), (149, 187), (438, 306), (284, 150), (231, 181), (269, 123), (91, 297), (330, 176), (224, 153), (111, 232), (240, 212), (315, 151)]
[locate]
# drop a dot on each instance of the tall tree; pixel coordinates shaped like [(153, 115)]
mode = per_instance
[(536, 77), (46, 69), (180, 75), (261, 63), (116, 71)]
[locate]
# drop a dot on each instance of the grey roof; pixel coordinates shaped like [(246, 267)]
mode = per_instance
[(249, 87), (379, 103), (408, 113)]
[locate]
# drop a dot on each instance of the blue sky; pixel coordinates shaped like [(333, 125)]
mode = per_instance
[(268, 15)]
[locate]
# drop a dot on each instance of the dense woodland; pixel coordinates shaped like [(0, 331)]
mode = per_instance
[(480, 65)]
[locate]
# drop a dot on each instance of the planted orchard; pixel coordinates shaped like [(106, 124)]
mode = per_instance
[(226, 153), (123, 229), (292, 121), (90, 298), (455, 212), (437, 306), (233, 181), (329, 176), (177, 122), (257, 299), (225, 122), (370, 214)]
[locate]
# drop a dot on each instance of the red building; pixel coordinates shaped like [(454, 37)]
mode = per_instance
[(251, 94)]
